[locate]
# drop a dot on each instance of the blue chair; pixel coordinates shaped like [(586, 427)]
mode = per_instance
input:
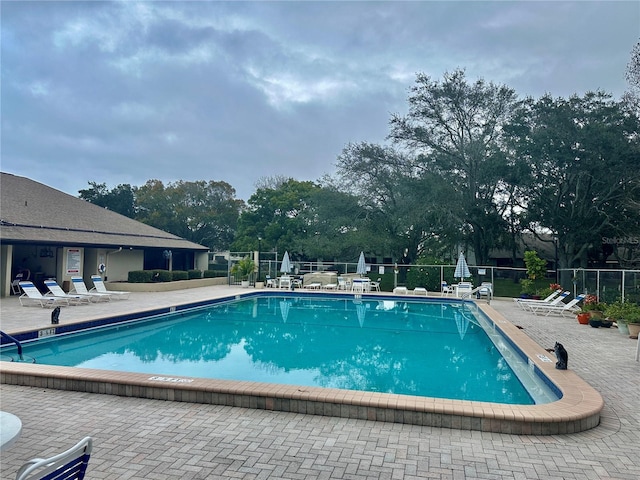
[(68, 465)]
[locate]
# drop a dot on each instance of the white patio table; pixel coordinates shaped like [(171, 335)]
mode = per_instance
[(10, 429)]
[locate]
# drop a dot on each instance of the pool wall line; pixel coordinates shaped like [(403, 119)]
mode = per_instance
[(578, 409)]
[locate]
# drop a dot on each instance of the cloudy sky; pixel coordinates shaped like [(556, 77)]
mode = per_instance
[(124, 92)]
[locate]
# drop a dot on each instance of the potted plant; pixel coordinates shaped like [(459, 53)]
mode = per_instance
[(626, 315), (593, 306), (583, 317), (244, 268), (527, 288), (632, 317)]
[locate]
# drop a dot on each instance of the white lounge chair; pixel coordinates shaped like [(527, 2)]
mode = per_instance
[(528, 304), (32, 295), (99, 286), (57, 291), (560, 309), (342, 284), (70, 464), (375, 285), (551, 296), (78, 287)]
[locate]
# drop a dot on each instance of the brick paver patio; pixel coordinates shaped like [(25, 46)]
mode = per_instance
[(147, 439)]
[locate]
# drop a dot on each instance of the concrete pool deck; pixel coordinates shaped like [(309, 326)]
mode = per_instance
[(603, 357)]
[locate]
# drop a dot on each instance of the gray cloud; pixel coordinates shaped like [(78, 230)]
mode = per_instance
[(124, 92)]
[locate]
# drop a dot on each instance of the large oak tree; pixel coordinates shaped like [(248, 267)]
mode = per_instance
[(454, 130)]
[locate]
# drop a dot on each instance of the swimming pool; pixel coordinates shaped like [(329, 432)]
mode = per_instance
[(424, 348), (577, 410)]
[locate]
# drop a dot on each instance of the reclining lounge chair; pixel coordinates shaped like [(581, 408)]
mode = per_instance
[(32, 296), (99, 286), (79, 288), (57, 291)]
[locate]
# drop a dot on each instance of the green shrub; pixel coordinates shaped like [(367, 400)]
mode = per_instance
[(139, 276), (194, 274), (626, 312), (243, 268), (386, 280), (214, 273), (179, 275), (161, 276)]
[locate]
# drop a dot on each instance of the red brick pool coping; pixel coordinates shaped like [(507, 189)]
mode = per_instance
[(578, 409)]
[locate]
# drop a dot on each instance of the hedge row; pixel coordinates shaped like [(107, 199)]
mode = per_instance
[(149, 276)]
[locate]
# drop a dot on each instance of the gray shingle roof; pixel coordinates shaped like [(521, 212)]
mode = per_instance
[(33, 212)]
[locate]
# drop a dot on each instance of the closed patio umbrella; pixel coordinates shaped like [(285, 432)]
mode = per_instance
[(362, 267), (462, 269), (285, 266)]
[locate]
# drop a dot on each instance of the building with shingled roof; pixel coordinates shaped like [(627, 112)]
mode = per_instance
[(55, 235)]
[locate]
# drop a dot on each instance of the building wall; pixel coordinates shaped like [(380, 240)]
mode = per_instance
[(202, 261), (120, 262)]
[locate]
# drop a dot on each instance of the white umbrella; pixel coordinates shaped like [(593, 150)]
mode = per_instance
[(462, 269), (285, 267), (362, 267)]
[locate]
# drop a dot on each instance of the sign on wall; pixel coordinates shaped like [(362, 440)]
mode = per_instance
[(74, 261)]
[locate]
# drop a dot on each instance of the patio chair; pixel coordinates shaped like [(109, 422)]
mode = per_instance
[(15, 285), (447, 289), (32, 295), (485, 290), (342, 284), (561, 309), (375, 285), (270, 282), (552, 296), (79, 288), (57, 291), (529, 304), (99, 286), (68, 465)]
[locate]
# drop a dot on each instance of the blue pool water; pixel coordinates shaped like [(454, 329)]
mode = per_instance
[(423, 348)]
